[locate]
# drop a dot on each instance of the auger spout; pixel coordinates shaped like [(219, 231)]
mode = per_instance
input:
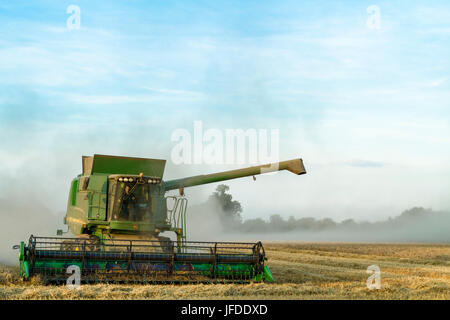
[(295, 166)]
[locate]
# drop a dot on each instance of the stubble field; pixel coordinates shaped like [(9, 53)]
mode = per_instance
[(301, 271)]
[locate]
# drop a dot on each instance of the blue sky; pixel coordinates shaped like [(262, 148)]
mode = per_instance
[(367, 109)]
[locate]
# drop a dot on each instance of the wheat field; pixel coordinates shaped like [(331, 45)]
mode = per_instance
[(301, 271)]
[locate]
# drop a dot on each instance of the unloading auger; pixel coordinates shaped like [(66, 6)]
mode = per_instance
[(117, 209)]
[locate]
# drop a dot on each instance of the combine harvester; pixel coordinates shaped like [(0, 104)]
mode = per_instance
[(117, 209)]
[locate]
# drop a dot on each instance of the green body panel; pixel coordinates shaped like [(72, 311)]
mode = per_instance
[(97, 196), (267, 275), (24, 270), (131, 226), (77, 208), (74, 192), (128, 165)]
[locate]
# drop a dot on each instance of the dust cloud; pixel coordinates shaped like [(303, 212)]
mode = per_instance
[(20, 219), (204, 223), (210, 222)]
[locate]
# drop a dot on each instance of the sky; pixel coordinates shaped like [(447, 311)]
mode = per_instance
[(367, 106)]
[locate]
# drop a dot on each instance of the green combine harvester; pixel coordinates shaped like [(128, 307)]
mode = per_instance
[(117, 209)]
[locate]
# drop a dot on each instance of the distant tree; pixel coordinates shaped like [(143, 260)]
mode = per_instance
[(305, 223), (254, 225), (348, 223), (413, 213), (231, 209), (277, 223), (328, 223)]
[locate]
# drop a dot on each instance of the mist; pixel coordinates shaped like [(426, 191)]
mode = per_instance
[(20, 219), (211, 221)]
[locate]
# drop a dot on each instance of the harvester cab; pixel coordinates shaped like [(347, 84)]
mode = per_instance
[(118, 207), (118, 197)]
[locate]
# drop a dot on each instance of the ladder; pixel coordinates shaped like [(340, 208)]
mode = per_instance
[(177, 216)]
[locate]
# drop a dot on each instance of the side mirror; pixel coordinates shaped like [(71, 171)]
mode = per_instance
[(16, 247)]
